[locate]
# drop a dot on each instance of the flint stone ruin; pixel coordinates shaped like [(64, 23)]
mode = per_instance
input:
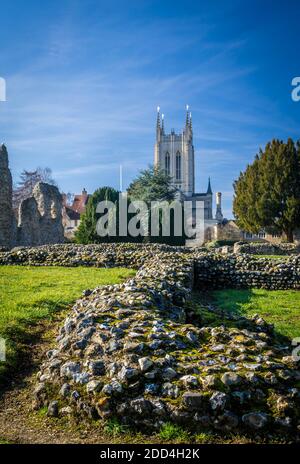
[(6, 211), (267, 248), (39, 219), (137, 351)]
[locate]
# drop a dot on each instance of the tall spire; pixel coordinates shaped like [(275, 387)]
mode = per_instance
[(209, 190)]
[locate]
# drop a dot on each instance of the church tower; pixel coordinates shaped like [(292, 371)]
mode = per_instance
[(174, 153)]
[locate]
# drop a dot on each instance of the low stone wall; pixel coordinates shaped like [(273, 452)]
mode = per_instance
[(262, 248), (244, 271), (102, 255)]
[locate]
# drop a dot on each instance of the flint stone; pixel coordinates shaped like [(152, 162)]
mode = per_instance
[(218, 401), (227, 421), (189, 380), (97, 367), (66, 411), (112, 388), (255, 420), (141, 406), (127, 373), (193, 401), (53, 409), (170, 390), (209, 381), (65, 390), (145, 364), (169, 373), (93, 386), (69, 369), (151, 388), (231, 379)]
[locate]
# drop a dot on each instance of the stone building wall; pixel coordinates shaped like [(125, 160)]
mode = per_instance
[(227, 231)]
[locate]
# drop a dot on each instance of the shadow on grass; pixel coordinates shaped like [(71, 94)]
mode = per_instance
[(21, 335)]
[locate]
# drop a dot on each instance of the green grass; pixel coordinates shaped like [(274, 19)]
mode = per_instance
[(114, 428), (31, 295), (278, 307), (4, 442), (171, 431)]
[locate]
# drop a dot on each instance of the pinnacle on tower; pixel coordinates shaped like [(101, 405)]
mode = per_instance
[(191, 125), (187, 122), (209, 189), (158, 129), (163, 123), (158, 118)]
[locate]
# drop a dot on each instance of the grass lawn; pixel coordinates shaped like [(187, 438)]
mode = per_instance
[(279, 307), (31, 295)]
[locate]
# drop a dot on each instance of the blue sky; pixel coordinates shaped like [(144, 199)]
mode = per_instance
[(84, 79)]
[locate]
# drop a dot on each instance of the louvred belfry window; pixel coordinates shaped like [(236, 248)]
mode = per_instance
[(167, 163), (178, 166)]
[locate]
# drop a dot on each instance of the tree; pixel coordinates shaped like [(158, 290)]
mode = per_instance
[(28, 179), (154, 185), (86, 232), (267, 194), (68, 198)]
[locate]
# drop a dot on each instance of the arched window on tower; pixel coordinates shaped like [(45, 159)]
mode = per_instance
[(167, 164), (178, 166)]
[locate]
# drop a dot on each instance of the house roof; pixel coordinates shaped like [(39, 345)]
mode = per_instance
[(80, 202), (73, 215)]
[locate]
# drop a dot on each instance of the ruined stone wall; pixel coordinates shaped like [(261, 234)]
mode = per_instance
[(6, 212), (212, 270), (40, 217), (127, 351)]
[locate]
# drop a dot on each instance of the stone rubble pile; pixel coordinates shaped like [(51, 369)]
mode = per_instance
[(128, 351)]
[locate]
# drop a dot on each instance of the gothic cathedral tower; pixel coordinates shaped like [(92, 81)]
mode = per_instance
[(174, 153)]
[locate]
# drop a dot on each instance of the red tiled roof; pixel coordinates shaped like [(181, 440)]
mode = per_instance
[(80, 202)]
